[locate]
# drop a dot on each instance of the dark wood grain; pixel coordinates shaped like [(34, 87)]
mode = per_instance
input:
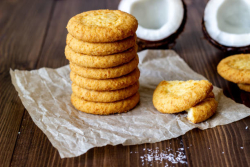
[(20, 44), (32, 35)]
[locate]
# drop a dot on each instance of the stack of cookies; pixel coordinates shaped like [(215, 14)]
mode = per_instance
[(195, 97), (236, 69), (101, 47)]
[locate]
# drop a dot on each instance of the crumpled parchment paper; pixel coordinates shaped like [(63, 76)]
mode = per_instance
[(45, 93)]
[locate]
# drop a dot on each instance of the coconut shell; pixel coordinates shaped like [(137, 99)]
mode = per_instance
[(166, 43), (232, 50)]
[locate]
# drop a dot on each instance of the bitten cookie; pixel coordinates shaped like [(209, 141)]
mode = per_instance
[(177, 96), (235, 68), (102, 26), (108, 84), (202, 111), (101, 61), (245, 87), (105, 96), (100, 49), (105, 108), (105, 73)]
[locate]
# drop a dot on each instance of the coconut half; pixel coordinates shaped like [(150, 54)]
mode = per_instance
[(160, 21), (226, 24)]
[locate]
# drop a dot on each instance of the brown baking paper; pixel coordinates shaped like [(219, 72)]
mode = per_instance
[(45, 93)]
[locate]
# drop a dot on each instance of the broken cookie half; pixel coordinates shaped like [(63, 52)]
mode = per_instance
[(202, 111), (196, 97)]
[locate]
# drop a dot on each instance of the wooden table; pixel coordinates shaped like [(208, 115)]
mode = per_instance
[(32, 35)]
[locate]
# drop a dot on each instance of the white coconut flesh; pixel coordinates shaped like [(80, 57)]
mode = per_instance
[(228, 22), (157, 19)]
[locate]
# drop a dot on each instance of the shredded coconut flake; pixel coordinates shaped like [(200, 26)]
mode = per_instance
[(241, 147), (246, 127), (151, 156)]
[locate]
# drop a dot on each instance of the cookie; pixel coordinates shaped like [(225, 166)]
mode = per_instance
[(105, 96), (102, 26), (177, 96), (245, 87), (105, 108), (100, 49), (105, 73), (101, 61), (235, 68), (202, 111), (210, 95), (108, 84)]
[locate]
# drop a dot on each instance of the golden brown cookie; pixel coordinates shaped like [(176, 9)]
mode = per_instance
[(235, 68), (102, 26), (210, 95), (100, 49), (101, 61), (105, 96), (108, 84), (245, 87), (177, 96), (105, 73), (202, 111), (105, 108)]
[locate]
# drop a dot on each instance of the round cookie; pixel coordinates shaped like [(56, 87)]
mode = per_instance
[(105, 73), (108, 84), (177, 96), (105, 96), (245, 87), (100, 61), (100, 49), (105, 108), (202, 111), (102, 26), (235, 68)]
